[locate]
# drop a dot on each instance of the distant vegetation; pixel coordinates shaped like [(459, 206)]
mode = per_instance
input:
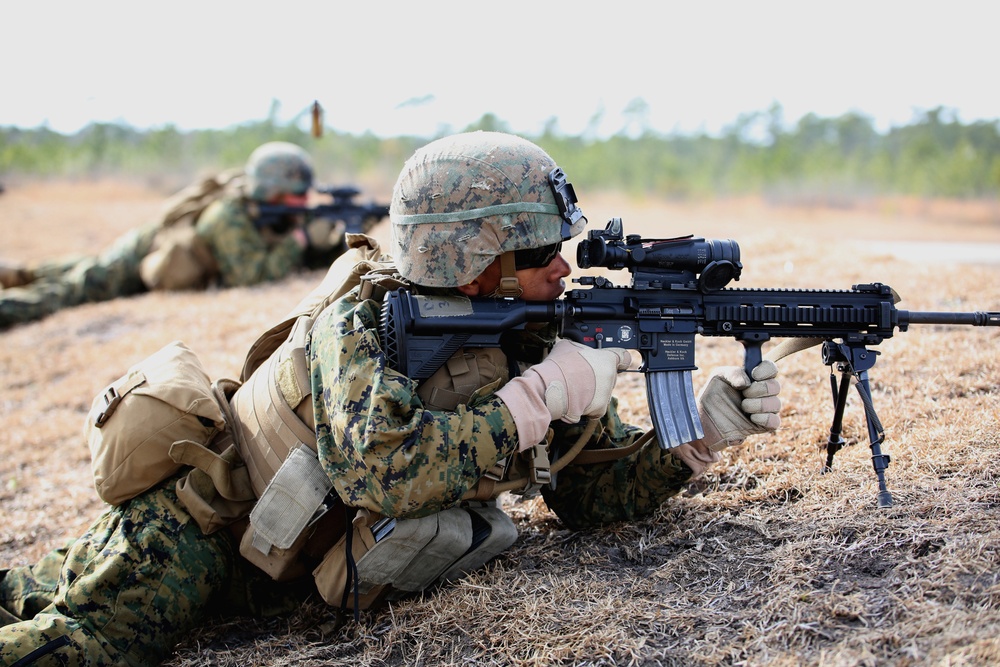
[(822, 159)]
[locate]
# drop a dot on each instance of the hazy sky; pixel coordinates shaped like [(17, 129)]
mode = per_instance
[(416, 67)]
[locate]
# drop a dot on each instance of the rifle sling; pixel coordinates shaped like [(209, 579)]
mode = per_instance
[(791, 346), (592, 456)]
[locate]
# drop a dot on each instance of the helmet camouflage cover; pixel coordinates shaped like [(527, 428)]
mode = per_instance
[(462, 201), (278, 168)]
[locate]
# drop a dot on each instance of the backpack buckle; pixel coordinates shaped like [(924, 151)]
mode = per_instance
[(111, 400)]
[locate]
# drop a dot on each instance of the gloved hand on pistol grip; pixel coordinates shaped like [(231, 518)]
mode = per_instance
[(573, 381), (733, 407)]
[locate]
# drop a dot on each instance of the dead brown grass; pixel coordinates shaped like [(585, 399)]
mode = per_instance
[(763, 561)]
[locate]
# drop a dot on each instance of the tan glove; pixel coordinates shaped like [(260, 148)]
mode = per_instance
[(324, 233), (572, 382), (732, 407)]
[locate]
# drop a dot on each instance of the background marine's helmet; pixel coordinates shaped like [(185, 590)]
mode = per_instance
[(462, 201), (278, 168)]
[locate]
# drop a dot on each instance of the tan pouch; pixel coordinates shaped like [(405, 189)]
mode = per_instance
[(452, 539), (179, 260), (283, 519), (395, 557), (493, 532), (217, 492), (165, 398), (280, 564), (331, 574)]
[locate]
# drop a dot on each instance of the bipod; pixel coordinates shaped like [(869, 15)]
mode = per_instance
[(853, 362)]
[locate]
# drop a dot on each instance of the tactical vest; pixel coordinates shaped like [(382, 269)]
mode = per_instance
[(293, 523), (297, 524)]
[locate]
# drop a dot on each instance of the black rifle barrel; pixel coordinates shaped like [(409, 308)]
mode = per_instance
[(978, 318)]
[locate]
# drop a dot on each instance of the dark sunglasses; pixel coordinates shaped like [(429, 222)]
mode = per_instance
[(536, 258)]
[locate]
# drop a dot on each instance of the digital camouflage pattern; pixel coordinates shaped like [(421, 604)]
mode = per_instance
[(629, 488), (462, 201), (125, 593), (244, 257), (74, 281), (384, 451), (276, 168), (145, 575), (381, 449)]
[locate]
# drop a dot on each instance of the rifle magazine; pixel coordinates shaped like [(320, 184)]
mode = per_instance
[(673, 408)]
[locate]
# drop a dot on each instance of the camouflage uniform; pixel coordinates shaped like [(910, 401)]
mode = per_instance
[(384, 451), (125, 593), (74, 281), (120, 594), (459, 204), (144, 575), (243, 256)]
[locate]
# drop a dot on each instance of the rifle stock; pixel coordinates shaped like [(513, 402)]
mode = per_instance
[(678, 292)]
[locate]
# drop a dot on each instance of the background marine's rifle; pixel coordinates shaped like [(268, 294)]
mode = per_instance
[(678, 291), (357, 218)]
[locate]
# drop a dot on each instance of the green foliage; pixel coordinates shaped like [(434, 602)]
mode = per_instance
[(759, 153)]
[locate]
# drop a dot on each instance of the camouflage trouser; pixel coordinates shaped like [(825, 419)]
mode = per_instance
[(123, 594), (63, 284)]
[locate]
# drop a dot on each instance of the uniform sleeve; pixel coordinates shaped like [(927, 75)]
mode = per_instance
[(240, 251), (590, 495), (378, 444)]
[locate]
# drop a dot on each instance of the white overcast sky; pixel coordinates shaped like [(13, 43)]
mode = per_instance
[(416, 67)]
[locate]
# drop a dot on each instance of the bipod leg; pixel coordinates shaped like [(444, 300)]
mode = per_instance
[(836, 442), (876, 434)]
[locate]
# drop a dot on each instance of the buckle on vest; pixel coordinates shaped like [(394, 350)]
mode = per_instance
[(539, 469), (498, 470), (111, 400)]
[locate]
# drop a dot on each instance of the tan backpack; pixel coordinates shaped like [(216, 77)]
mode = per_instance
[(164, 399), (185, 206), (179, 259)]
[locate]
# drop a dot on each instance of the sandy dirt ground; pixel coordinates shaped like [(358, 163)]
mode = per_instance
[(763, 561)]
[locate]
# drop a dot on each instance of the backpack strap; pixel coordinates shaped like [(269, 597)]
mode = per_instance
[(186, 205), (362, 258), (217, 492)]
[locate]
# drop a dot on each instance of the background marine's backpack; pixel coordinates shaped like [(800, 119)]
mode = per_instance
[(179, 260)]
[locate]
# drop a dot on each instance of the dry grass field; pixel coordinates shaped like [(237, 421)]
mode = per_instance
[(764, 561)]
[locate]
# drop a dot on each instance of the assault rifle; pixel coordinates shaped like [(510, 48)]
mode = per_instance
[(678, 291), (357, 218)]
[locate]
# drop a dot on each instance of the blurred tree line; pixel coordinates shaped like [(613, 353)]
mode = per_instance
[(827, 160)]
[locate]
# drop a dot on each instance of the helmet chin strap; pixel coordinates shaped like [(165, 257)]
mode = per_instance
[(509, 288)]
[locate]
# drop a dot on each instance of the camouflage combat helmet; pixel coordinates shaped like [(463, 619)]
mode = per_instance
[(462, 201), (277, 168)]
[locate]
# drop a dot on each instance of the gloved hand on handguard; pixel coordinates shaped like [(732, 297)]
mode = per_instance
[(733, 407), (324, 233)]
